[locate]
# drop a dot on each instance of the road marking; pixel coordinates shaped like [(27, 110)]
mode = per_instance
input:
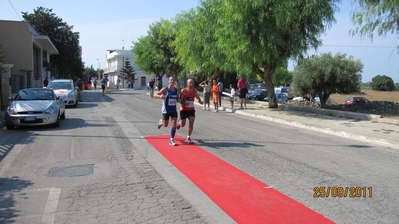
[(72, 151), (51, 206)]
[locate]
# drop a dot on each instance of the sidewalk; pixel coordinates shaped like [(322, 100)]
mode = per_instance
[(362, 127)]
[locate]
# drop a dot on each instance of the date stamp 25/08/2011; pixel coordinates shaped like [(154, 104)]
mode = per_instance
[(342, 192)]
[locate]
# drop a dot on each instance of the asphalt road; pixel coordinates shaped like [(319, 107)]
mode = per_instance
[(96, 168)]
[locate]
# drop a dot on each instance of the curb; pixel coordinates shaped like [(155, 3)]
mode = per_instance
[(328, 131), (334, 113)]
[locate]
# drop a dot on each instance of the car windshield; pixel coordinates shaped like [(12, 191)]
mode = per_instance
[(34, 94), (60, 85)]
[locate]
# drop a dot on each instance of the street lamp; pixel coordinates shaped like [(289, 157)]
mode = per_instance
[(98, 69)]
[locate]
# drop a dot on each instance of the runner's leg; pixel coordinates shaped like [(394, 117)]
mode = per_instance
[(173, 132), (190, 129)]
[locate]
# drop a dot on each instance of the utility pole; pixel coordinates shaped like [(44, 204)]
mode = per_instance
[(99, 75), (123, 75)]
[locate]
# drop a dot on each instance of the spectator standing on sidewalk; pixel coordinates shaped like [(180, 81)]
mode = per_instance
[(95, 84), (232, 95), (220, 84), (118, 82), (187, 109), (79, 84), (151, 87), (215, 96), (169, 96), (207, 93), (103, 83), (242, 92), (45, 82)]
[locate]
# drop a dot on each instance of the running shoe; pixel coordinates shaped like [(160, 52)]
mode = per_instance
[(159, 123), (188, 140), (172, 142)]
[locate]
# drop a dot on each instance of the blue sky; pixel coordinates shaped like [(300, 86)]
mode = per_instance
[(105, 25)]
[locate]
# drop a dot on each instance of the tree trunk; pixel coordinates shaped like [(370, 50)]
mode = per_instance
[(323, 99), (267, 77), (159, 77), (214, 76)]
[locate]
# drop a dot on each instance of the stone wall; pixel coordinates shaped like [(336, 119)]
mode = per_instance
[(374, 107), (5, 75)]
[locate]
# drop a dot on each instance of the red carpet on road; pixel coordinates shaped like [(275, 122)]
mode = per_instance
[(244, 198)]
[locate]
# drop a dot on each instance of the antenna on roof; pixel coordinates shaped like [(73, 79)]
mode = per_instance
[(123, 43)]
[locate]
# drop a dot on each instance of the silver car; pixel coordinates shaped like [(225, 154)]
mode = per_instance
[(66, 90), (33, 107)]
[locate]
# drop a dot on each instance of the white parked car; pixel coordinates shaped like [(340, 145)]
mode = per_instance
[(314, 100), (66, 90)]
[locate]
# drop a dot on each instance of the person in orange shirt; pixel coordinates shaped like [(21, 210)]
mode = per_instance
[(215, 95)]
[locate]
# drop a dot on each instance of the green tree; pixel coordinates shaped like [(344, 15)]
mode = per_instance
[(262, 35), (155, 53), (147, 58), (327, 74), (198, 50), (372, 15), (382, 83), (90, 71), (127, 71), (68, 63), (282, 76), (163, 34)]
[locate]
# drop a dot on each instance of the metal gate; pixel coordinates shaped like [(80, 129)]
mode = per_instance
[(17, 83)]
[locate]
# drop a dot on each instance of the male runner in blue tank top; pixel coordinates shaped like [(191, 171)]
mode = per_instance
[(169, 96)]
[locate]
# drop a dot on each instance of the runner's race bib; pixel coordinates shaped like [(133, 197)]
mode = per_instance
[(189, 104), (172, 102)]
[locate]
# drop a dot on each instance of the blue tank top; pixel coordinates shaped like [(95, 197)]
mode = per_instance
[(170, 101)]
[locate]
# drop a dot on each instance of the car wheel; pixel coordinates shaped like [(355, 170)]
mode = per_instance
[(57, 123), (9, 126), (63, 116)]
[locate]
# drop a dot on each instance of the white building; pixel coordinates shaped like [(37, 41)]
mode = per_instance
[(115, 61)]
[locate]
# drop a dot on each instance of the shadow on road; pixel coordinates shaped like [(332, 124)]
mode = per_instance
[(9, 188)]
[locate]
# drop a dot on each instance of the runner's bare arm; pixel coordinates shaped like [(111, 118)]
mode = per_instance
[(182, 97), (161, 93), (198, 98)]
